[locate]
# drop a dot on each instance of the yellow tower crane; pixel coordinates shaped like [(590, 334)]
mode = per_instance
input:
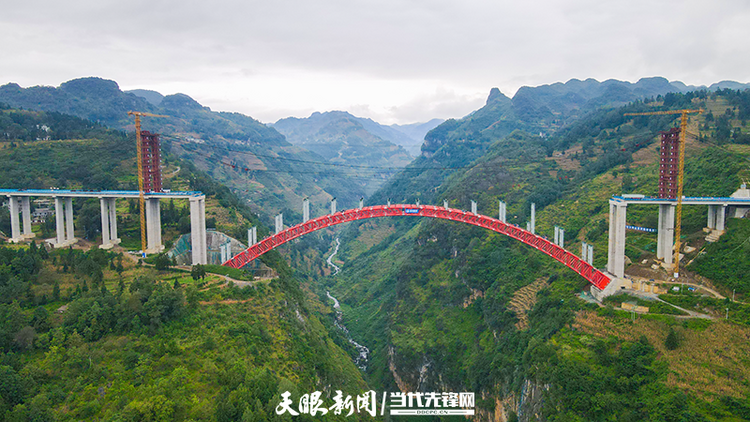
[(680, 176), (138, 142)]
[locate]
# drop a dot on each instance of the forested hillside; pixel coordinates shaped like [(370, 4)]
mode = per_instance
[(98, 335), (446, 306)]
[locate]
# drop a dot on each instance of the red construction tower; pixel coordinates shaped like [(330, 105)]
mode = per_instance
[(669, 165), (151, 161)]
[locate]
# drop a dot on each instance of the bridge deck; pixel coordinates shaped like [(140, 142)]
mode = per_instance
[(76, 193), (686, 200)]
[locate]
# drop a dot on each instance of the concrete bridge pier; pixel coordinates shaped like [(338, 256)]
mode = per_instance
[(587, 252), (711, 224), (665, 234), (26, 216), (279, 223), (226, 252), (15, 225), (721, 214), (305, 210), (616, 247), (64, 222), (532, 223), (104, 207), (198, 229), (109, 223), (562, 238), (153, 226), (59, 222), (113, 222), (501, 211), (559, 236), (71, 239), (20, 205), (252, 236), (717, 217)]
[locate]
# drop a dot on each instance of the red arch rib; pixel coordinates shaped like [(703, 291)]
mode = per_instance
[(584, 269)]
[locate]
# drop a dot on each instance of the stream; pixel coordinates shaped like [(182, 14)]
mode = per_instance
[(364, 352), (330, 258)]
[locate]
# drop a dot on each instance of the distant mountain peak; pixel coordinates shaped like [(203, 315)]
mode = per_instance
[(91, 87), (12, 86), (181, 101), (496, 95), (152, 97)]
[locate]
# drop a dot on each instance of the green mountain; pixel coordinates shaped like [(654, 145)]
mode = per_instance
[(252, 159), (102, 101), (90, 334), (342, 138), (444, 306)]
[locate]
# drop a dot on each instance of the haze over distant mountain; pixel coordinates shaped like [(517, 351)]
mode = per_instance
[(557, 103), (546, 108), (153, 97), (267, 170), (411, 136), (339, 136), (101, 100), (416, 132)]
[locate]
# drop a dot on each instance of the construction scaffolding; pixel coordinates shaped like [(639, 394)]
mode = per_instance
[(669, 163), (151, 156)]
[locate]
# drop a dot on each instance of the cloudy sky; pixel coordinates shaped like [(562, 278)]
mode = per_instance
[(396, 61)]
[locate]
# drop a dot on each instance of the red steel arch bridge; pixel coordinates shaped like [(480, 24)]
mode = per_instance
[(583, 268)]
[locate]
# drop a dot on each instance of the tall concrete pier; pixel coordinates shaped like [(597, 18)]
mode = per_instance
[(616, 248), (717, 217), (109, 222), (153, 226), (665, 233), (198, 229)]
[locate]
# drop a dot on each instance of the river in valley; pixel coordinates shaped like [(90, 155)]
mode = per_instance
[(364, 352)]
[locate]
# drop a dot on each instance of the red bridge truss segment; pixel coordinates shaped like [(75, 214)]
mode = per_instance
[(584, 269)]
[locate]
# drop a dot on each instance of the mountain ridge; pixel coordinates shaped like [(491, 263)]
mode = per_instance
[(263, 173)]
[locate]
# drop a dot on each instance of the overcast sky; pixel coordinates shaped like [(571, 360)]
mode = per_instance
[(396, 61)]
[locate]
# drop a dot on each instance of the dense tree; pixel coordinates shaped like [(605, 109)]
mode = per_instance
[(198, 272), (162, 262)]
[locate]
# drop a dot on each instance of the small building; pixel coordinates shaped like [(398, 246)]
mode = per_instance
[(633, 306), (40, 215)]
